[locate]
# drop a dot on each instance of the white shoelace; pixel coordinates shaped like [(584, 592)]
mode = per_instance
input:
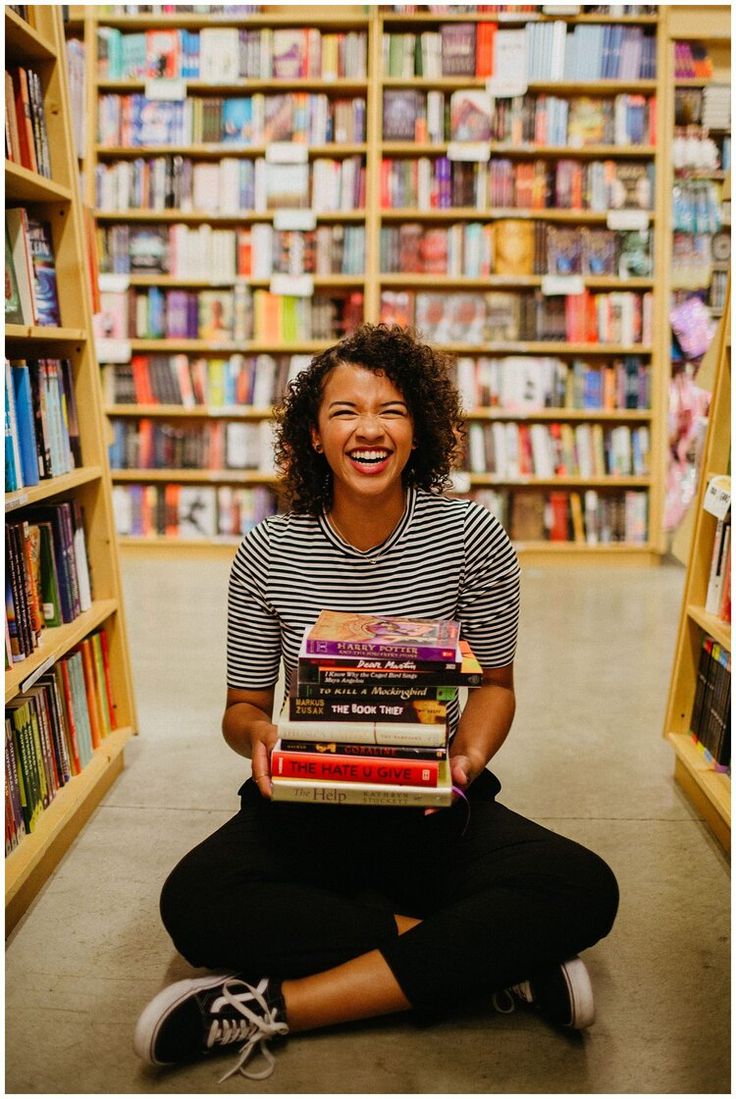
[(253, 1029)]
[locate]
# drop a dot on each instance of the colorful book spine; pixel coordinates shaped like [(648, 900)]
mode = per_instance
[(345, 768), (366, 732), (321, 792)]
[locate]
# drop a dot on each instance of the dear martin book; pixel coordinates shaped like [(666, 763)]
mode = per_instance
[(344, 633)]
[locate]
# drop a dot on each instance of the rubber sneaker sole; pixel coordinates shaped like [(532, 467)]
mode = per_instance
[(156, 1013), (581, 994)]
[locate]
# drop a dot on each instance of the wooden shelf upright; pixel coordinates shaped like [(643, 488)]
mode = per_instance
[(41, 45)]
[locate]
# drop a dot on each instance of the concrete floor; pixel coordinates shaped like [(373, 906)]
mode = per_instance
[(586, 758)]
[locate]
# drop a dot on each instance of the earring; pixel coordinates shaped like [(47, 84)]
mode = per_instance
[(317, 447)]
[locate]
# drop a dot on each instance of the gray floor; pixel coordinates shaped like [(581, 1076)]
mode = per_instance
[(585, 757)]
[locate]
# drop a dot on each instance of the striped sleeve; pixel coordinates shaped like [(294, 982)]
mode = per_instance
[(253, 632), (489, 592)]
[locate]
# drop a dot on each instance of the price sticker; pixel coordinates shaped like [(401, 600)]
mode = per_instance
[(294, 219), (287, 152), (298, 286), (113, 284), (478, 151), (718, 496), (627, 219), (171, 90), (562, 284), (113, 351)]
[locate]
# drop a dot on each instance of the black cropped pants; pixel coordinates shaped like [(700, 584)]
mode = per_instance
[(289, 890)]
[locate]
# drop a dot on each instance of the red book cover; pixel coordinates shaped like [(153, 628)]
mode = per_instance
[(23, 116), (350, 768), (108, 680), (558, 507), (95, 723), (344, 633), (139, 364)]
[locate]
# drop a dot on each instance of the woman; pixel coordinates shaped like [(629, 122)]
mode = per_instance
[(323, 914)]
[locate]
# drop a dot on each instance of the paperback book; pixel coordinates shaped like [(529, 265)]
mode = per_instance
[(353, 634)]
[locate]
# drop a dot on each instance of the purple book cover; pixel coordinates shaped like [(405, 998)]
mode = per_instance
[(352, 634)]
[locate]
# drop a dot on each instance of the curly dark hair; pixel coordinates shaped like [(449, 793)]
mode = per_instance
[(419, 372)]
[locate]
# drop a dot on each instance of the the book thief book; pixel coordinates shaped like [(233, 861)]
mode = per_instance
[(343, 633)]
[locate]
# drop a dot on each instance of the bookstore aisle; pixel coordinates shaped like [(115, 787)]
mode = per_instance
[(585, 757)]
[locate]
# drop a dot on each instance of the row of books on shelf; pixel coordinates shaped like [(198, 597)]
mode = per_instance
[(546, 51), (31, 295), (710, 720), (239, 381), (430, 183), (498, 315), (514, 247), (367, 718), (26, 136), (718, 593), (557, 449), (52, 730), (231, 185), (533, 119), (215, 445), (530, 383), (47, 578), (222, 55), (589, 518), (41, 426), (692, 60), (189, 511), (311, 118)]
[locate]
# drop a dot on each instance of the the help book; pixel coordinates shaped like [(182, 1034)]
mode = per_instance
[(335, 792), (346, 633)]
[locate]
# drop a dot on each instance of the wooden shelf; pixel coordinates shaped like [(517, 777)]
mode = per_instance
[(341, 86), (54, 486), (715, 785), (244, 216), (21, 183), (560, 481), (585, 415), (174, 411), (720, 631), (295, 17), (29, 865), (503, 148), (55, 641), (160, 541), (545, 347), (473, 213), (487, 282), (44, 334), (320, 282), (23, 42), (394, 19), (217, 150), (197, 476), (561, 87), (246, 347)]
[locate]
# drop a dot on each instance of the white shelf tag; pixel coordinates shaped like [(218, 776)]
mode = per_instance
[(479, 151), (113, 351), (562, 284), (718, 496), (627, 219), (173, 90), (287, 152), (294, 219), (460, 481), (19, 500), (113, 284), (298, 286)]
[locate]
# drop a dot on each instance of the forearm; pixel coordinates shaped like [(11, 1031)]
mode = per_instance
[(484, 725), (247, 720)]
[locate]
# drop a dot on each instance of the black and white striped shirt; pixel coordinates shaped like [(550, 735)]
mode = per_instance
[(447, 558)]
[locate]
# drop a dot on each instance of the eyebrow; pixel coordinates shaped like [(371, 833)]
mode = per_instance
[(353, 404)]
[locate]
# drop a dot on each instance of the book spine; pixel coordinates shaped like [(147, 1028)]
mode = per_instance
[(346, 677), (374, 751), (380, 651), (369, 732), (326, 709), (346, 793), (397, 772)]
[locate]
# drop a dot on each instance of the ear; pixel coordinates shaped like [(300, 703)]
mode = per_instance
[(316, 442)]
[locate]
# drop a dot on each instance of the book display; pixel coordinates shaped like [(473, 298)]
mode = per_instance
[(496, 176), (699, 706), (69, 704)]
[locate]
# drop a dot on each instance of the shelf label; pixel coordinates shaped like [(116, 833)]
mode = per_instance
[(718, 496), (31, 679), (298, 286), (295, 219), (113, 351), (479, 151), (562, 284), (287, 152), (627, 219), (173, 90), (460, 481), (113, 284), (19, 500)]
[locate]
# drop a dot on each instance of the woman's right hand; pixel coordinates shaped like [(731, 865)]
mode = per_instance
[(262, 738)]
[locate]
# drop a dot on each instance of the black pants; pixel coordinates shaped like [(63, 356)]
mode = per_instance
[(288, 890)]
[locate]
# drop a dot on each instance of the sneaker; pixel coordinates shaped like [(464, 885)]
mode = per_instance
[(563, 994), (197, 1017)]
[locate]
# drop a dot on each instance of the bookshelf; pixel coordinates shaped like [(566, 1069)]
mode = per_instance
[(41, 46), (644, 491), (707, 789)]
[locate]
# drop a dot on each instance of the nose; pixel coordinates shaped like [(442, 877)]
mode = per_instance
[(369, 426)]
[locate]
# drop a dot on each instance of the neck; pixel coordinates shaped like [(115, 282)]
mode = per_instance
[(369, 523)]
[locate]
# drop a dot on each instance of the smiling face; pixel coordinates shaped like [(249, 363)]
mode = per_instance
[(366, 433)]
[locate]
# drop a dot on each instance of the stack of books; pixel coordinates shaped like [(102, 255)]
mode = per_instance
[(366, 720)]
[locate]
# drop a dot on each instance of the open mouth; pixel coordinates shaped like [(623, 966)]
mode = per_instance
[(369, 457)]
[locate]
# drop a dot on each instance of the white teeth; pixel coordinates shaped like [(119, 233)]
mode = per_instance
[(369, 455)]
